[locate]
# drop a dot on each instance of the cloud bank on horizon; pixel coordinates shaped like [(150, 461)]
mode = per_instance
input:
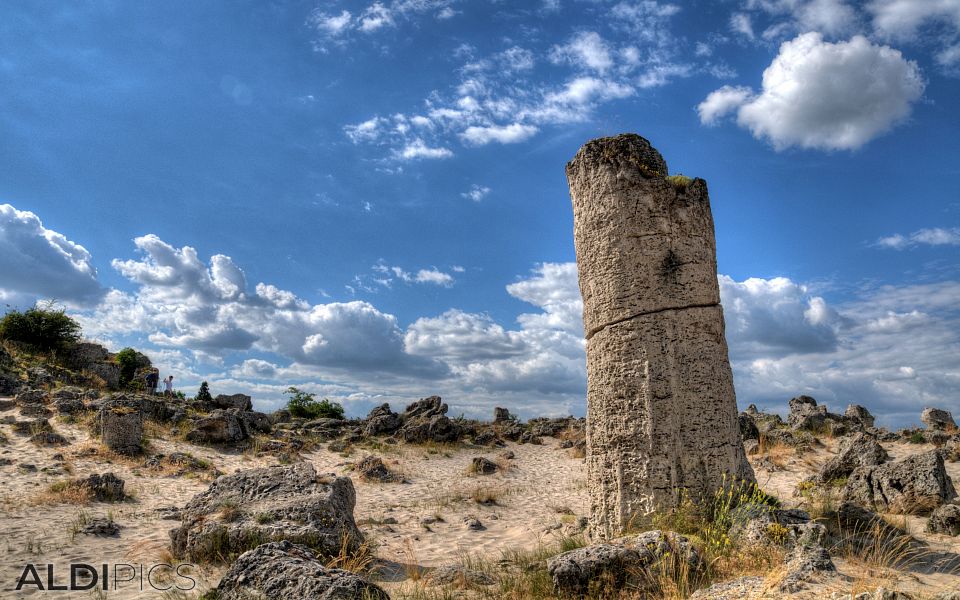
[(893, 348)]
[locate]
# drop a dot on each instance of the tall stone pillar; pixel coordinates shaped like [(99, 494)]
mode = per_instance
[(662, 414)]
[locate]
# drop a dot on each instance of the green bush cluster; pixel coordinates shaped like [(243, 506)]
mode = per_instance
[(46, 328), (203, 394), (304, 405), (130, 362)]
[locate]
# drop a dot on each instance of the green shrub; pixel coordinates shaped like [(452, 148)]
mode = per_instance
[(303, 404), (130, 362), (45, 327), (203, 395)]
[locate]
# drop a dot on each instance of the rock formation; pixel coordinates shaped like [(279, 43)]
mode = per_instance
[(303, 506), (286, 570), (662, 410), (121, 424)]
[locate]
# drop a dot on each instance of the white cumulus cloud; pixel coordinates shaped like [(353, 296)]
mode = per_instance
[(823, 95), (36, 262), (934, 236)]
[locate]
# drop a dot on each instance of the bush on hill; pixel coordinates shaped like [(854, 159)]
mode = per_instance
[(45, 328), (130, 362), (303, 404)]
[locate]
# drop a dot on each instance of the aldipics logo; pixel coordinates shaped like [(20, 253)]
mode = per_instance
[(160, 577)]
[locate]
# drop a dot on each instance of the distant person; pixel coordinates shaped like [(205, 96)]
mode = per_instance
[(153, 380), (168, 386)]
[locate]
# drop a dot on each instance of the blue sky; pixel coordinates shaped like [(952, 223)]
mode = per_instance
[(367, 199)]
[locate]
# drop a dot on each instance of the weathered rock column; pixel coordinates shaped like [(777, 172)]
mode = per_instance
[(121, 426), (662, 413)]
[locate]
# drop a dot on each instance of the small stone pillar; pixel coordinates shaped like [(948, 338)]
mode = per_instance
[(121, 426)]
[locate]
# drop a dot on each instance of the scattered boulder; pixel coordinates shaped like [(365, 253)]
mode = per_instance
[(219, 427), (861, 450), (486, 437), (256, 422), (281, 570), (635, 561), (31, 396), (483, 466), (808, 559), (945, 520), (473, 524), (382, 421), (547, 427), (748, 427), (609, 565), (121, 425), (371, 468), (915, 485), (281, 415), (31, 427), (35, 410), (937, 420), (807, 415), (458, 575), (859, 414), (237, 401), (308, 508), (502, 415), (103, 488), (68, 406), (425, 408), (736, 589), (101, 527), (437, 428), (49, 438)]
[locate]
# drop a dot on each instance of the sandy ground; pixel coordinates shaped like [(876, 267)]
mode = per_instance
[(536, 497)]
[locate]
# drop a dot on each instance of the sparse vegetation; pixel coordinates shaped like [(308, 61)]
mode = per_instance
[(304, 405), (680, 182), (45, 328), (130, 362), (203, 394)]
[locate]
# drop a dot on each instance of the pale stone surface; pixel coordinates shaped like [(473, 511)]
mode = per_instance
[(661, 405)]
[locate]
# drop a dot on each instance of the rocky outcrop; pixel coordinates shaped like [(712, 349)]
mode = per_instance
[(861, 450), (748, 427), (95, 362), (915, 485), (860, 415), (945, 520), (228, 426), (304, 507), (502, 415), (238, 401), (636, 561), (426, 421), (382, 421), (284, 570), (808, 560), (371, 468), (425, 408), (103, 488), (661, 405), (937, 420), (483, 466), (806, 414)]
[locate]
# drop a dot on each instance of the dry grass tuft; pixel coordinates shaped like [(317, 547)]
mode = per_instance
[(63, 492)]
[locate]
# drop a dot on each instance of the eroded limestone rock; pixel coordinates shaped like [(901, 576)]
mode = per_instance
[(661, 405)]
